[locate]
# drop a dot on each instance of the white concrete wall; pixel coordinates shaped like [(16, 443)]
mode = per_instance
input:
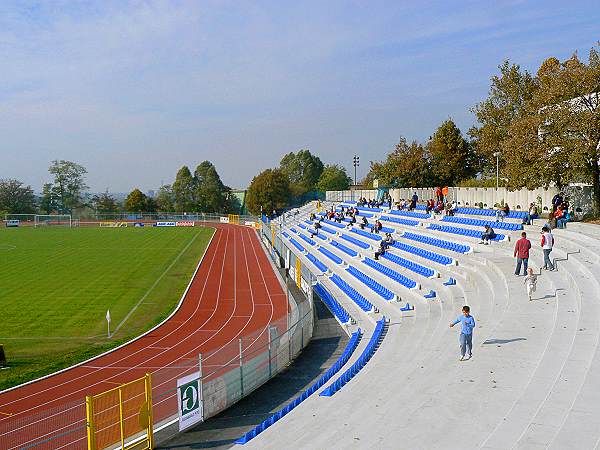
[(579, 197)]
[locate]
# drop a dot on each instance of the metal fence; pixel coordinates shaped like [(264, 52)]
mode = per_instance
[(228, 374)]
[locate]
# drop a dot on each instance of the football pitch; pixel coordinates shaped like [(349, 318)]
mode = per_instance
[(56, 285)]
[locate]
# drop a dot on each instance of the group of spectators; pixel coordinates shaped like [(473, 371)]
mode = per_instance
[(388, 241), (386, 201)]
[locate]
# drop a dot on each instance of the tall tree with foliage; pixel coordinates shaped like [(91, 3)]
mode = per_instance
[(270, 190), (303, 170), (333, 178), (451, 158), (407, 165), (560, 135), (69, 185), (165, 200), (210, 192), (183, 191), (47, 202), (16, 197), (104, 203), (136, 201), (508, 99)]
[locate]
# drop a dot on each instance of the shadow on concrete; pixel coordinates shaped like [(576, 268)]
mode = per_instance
[(502, 341), (220, 432)]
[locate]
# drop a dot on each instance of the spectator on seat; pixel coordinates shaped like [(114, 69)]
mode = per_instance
[(316, 226), (383, 245), (377, 227), (562, 217), (487, 235), (532, 213), (312, 217), (439, 207), (502, 212), (364, 222)]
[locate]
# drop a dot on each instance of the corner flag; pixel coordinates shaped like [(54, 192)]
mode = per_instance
[(108, 321)]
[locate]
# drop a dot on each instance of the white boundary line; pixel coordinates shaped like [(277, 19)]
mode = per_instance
[(132, 310), (128, 342)]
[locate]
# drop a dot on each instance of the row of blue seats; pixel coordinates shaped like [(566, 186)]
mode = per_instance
[(318, 264), (398, 277), (367, 234), (408, 222), (343, 248), (432, 256), (341, 361), (333, 305), (302, 226), (458, 248), (417, 268), (490, 212), (380, 290), (361, 212), (307, 239), (335, 258), (285, 235), (354, 295), (462, 231), (482, 223), (402, 212), (334, 224), (355, 241), (296, 244), (365, 356)]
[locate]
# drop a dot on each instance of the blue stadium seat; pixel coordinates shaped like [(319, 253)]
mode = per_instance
[(383, 292), (401, 212), (336, 259), (354, 295), (482, 223), (401, 221), (459, 248), (417, 268), (333, 305), (344, 249), (318, 264), (398, 277), (462, 231), (432, 256), (355, 241)]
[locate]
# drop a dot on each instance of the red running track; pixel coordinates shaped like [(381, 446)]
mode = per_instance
[(235, 293)]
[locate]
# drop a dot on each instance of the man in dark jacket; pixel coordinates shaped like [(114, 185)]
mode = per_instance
[(522, 248)]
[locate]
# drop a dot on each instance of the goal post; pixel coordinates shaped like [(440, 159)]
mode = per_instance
[(64, 220)]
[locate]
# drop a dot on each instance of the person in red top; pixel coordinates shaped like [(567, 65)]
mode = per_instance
[(522, 248)]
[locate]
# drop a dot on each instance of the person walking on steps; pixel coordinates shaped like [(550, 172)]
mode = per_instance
[(467, 324), (530, 281), (547, 245), (522, 248)]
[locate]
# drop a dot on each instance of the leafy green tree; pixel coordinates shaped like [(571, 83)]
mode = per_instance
[(16, 198), (508, 99), (48, 202), (136, 201), (333, 178), (104, 203), (183, 190), (269, 190), (406, 166), (210, 192), (69, 185), (165, 200), (559, 138), (303, 170), (450, 156)]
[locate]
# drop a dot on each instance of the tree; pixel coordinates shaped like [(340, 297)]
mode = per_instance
[(165, 201), (210, 193), (104, 203), (48, 202), (560, 136), (406, 166), (450, 156), (269, 190), (136, 201), (183, 190), (508, 99), (303, 170), (333, 178), (16, 198), (69, 184)]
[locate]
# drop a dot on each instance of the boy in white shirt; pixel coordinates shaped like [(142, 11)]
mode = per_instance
[(531, 282)]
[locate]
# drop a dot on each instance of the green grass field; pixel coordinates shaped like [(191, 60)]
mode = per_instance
[(56, 285)]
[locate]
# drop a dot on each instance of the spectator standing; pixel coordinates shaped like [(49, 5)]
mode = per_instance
[(522, 248), (444, 193), (413, 201), (547, 245), (438, 195), (557, 201), (467, 325)]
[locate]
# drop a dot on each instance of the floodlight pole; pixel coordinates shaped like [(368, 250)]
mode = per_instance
[(497, 155)]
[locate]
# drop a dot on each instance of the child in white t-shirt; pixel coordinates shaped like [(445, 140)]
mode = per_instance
[(530, 281)]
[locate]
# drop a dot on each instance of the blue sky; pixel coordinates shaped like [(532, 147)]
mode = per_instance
[(133, 90)]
